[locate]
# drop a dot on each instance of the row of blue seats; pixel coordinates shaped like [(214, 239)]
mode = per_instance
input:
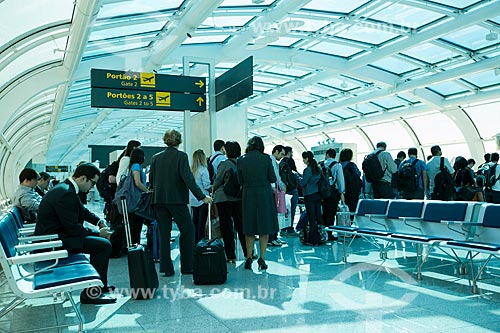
[(452, 227), (34, 268)]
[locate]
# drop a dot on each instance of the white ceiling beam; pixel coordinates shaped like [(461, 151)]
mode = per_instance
[(428, 97)]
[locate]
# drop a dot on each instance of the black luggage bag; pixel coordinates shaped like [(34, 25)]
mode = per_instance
[(141, 268), (210, 265)]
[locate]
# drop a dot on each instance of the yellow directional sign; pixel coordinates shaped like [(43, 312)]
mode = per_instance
[(162, 98), (148, 80), (200, 101), (200, 84)]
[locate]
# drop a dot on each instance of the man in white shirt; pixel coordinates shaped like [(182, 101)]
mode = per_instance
[(493, 195), (433, 167), (382, 189)]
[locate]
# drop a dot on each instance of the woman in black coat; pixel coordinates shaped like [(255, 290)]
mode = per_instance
[(255, 174)]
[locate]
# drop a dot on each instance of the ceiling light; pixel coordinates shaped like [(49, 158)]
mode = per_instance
[(343, 85), (257, 2), (491, 36), (497, 71)]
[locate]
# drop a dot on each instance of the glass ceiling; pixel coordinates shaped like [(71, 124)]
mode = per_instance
[(339, 69)]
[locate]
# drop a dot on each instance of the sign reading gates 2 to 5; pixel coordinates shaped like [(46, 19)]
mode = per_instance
[(139, 90)]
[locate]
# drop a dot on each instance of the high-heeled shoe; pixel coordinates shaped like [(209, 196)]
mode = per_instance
[(262, 264), (248, 263)]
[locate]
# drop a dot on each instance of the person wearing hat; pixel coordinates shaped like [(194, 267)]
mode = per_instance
[(382, 189)]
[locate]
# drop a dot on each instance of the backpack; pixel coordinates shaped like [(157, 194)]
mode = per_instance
[(232, 187), (408, 176), (444, 189), (324, 187), (352, 181), (211, 169), (104, 187), (287, 176), (372, 168), (128, 190), (490, 178)]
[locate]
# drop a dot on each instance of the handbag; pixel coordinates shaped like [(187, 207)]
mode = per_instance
[(279, 198), (144, 207), (127, 189)]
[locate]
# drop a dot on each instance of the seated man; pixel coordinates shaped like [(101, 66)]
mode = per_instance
[(25, 197), (61, 212), (43, 183)]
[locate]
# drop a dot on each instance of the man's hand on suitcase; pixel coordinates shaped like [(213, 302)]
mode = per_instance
[(207, 200)]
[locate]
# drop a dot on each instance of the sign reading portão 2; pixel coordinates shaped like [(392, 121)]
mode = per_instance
[(140, 90)]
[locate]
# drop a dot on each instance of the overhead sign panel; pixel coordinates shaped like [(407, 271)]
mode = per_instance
[(103, 78), (154, 100), (235, 84), (56, 168)]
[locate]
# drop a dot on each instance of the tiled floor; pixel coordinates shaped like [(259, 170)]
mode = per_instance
[(305, 289)]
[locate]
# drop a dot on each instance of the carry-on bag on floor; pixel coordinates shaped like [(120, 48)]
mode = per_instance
[(141, 268), (343, 215), (210, 265)]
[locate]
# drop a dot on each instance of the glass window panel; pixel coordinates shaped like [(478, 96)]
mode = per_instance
[(337, 6), (125, 30), (281, 128), (344, 113), (326, 117), (266, 79), (138, 7), (447, 88), (435, 128), (226, 21), (366, 108), (457, 3), (496, 20), (482, 116), (295, 125), (484, 79), (205, 39), (367, 35), (238, 3), (392, 133), (287, 70), (406, 16), (311, 141), (471, 38), (335, 49), (451, 151), (311, 25), (18, 18), (388, 102), (341, 83), (430, 53), (285, 41), (113, 48), (32, 58), (353, 136), (408, 97), (489, 146), (394, 65), (310, 121)]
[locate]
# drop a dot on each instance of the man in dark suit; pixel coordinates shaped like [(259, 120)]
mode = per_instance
[(171, 179), (42, 184), (61, 212)]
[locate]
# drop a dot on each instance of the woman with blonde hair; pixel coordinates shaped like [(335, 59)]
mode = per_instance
[(202, 178)]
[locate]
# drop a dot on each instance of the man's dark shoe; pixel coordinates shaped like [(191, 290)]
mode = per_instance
[(108, 289), (187, 272), (85, 298), (169, 274)]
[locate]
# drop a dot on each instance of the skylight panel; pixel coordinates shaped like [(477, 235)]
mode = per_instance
[(365, 34), (406, 16), (472, 38), (484, 79), (395, 65), (226, 21), (205, 39), (430, 53), (366, 108), (388, 102), (459, 4), (288, 70), (269, 80), (326, 117), (125, 30), (344, 113), (447, 88), (281, 127), (114, 48), (311, 25), (337, 6), (285, 41), (242, 3), (309, 121), (335, 49), (137, 7), (18, 18)]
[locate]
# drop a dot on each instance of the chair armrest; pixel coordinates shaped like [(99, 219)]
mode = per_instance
[(31, 258), (38, 246), (26, 231), (381, 216), (38, 238), (346, 213), (410, 219), (460, 223)]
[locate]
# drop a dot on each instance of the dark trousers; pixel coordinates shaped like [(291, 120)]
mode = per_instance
[(313, 208), (417, 194), (200, 215), (231, 212), (293, 204), (330, 206), (351, 200), (382, 190), (99, 249), (180, 214), (492, 196), (136, 223)]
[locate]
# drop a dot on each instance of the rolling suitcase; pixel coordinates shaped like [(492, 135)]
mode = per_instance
[(209, 259), (153, 241), (141, 268)]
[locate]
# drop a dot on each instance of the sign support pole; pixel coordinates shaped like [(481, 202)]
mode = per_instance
[(186, 61)]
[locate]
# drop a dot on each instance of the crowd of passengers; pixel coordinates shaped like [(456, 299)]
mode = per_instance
[(183, 193)]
